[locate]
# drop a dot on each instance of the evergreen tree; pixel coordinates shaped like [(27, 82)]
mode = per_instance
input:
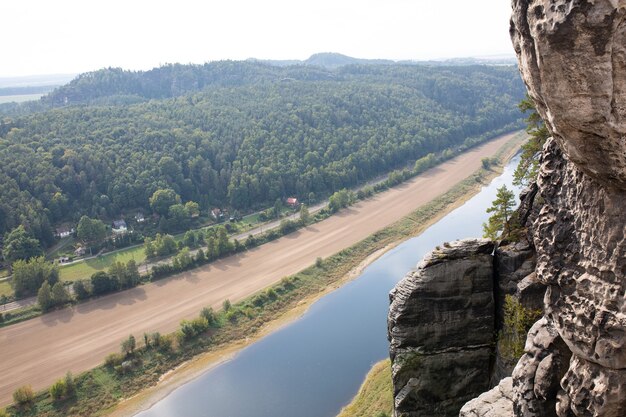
[(501, 209), (528, 167)]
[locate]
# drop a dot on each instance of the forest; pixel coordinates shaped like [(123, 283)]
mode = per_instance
[(233, 134)]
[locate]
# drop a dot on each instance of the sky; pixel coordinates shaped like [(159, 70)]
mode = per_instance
[(72, 36)]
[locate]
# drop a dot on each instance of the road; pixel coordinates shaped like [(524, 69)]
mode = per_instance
[(40, 350)]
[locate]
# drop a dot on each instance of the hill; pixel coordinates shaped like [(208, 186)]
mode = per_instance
[(238, 134)]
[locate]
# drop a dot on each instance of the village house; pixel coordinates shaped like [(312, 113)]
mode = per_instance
[(292, 202), (217, 214), (63, 231), (119, 226)]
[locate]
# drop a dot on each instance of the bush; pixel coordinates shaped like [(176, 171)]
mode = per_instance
[(226, 305), (3, 413), (58, 390), (70, 385), (81, 290), (209, 315), (318, 262), (128, 345), (189, 329), (113, 359), (24, 395)]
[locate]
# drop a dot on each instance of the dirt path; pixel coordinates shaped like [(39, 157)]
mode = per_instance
[(40, 350)]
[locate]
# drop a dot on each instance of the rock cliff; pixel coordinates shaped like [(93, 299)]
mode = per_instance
[(572, 57), (443, 319)]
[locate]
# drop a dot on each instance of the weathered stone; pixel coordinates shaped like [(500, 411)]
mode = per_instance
[(438, 384), (537, 374), (530, 292), (513, 262), (572, 56), (441, 330), (592, 390), (498, 402)]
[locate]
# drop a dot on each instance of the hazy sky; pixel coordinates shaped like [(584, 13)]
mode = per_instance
[(67, 36)]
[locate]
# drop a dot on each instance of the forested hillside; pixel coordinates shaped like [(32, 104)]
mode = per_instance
[(239, 134)]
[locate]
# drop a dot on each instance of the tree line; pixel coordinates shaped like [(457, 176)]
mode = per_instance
[(239, 135)]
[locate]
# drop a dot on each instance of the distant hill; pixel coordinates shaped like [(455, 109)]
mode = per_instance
[(333, 60)]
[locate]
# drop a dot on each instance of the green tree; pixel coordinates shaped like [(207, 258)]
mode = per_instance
[(163, 199), (305, 216), (19, 244), (528, 167), (223, 244), (58, 390), (132, 276), (60, 295), (90, 231), (340, 199), (80, 290), (28, 276), (278, 207), (193, 208), (179, 216), (128, 345), (501, 209), (44, 297)]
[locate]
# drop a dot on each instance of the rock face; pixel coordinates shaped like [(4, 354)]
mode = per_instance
[(441, 330), (572, 56)]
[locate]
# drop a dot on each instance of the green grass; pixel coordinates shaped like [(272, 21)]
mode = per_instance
[(375, 396), (84, 269), (6, 289)]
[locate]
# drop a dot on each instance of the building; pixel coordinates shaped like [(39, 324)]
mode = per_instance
[(119, 226), (139, 218), (63, 231), (217, 214), (292, 202)]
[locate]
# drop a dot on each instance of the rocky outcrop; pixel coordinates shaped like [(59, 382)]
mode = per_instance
[(572, 56), (494, 403), (443, 320), (441, 330)]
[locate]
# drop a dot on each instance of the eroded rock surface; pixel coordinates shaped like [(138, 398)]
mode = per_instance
[(441, 330), (572, 56)]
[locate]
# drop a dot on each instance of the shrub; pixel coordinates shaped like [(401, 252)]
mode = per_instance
[(3, 413), (190, 329), (226, 305), (319, 262), (70, 385), (209, 315), (113, 359), (57, 390), (80, 290), (128, 345), (24, 395)]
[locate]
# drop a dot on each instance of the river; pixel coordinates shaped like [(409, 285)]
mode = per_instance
[(314, 366)]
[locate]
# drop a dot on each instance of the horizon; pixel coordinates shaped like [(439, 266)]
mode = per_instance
[(66, 38), (262, 60)]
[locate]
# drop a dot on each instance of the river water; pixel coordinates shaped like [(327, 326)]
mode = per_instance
[(314, 366)]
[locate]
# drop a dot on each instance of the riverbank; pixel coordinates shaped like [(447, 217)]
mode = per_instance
[(375, 397), (385, 240), (94, 329)]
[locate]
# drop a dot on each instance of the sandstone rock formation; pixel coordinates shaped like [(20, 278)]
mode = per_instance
[(441, 323), (572, 56)]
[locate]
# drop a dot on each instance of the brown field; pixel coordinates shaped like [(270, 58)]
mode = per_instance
[(41, 350)]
